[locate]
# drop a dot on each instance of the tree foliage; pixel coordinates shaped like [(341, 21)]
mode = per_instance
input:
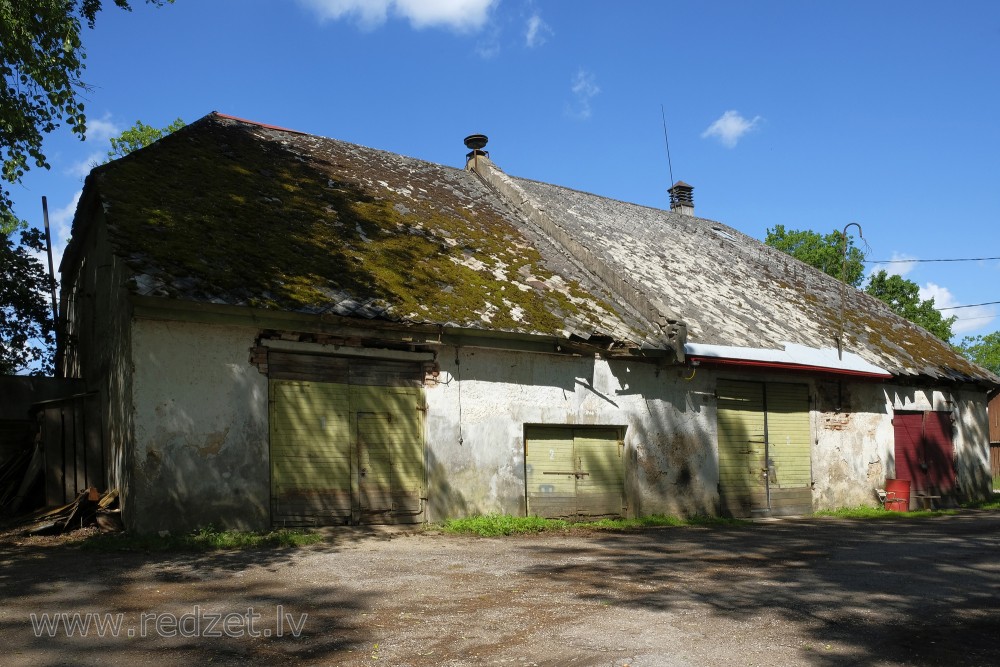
[(139, 136), (41, 62), (982, 350), (9, 223), (903, 296), (825, 253), (26, 327)]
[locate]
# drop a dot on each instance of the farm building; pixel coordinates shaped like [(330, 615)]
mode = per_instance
[(285, 329)]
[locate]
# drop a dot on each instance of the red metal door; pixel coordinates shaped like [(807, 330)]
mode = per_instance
[(939, 453), (925, 451), (908, 427)]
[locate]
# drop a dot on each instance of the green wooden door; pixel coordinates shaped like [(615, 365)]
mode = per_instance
[(574, 472), (391, 470), (764, 448), (374, 466), (310, 453), (601, 483), (343, 453), (742, 448), (789, 449)]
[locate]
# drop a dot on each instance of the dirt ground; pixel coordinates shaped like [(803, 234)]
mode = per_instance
[(789, 592)]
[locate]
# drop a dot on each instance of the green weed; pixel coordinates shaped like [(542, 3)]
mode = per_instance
[(991, 504), (866, 512), (204, 539), (494, 525)]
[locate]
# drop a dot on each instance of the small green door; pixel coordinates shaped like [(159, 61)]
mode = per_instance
[(574, 472), (788, 449), (374, 466), (764, 448)]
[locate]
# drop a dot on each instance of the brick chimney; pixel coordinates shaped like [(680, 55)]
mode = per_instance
[(682, 198)]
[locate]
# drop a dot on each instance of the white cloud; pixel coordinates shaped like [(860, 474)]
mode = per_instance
[(61, 225), (82, 168), (102, 129), (969, 319), (460, 15), (536, 31), (488, 44), (730, 128), (900, 265), (584, 90)]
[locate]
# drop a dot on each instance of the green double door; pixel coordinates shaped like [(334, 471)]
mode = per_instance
[(765, 462), (574, 472), (345, 454)]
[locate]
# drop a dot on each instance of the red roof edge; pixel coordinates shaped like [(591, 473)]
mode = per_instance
[(253, 122), (709, 361)]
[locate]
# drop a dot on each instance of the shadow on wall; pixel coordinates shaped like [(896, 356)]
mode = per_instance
[(672, 455), (185, 478)]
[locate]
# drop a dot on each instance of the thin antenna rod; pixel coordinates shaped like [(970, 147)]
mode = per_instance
[(667, 141)]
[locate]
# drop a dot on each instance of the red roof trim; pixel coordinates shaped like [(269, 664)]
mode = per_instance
[(788, 367), (253, 122)]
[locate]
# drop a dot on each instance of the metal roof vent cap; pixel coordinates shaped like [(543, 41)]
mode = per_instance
[(475, 143), (682, 198)]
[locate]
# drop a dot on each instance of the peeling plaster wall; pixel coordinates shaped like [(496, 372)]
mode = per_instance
[(853, 442), (476, 417), (855, 445), (201, 434)]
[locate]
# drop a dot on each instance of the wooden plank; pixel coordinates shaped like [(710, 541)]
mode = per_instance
[(93, 436), (52, 443), (601, 491), (741, 440), (789, 435), (549, 450)]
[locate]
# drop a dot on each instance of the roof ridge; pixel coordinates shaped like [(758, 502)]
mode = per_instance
[(227, 116)]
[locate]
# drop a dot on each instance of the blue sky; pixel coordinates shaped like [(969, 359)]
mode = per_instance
[(807, 114)]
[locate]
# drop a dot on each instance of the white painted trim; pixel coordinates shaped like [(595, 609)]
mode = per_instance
[(792, 354)]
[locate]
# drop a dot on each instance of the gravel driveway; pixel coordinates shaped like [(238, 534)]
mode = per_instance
[(789, 592)]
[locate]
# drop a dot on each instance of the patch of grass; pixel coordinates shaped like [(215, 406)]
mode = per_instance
[(494, 525), (866, 512), (204, 539), (991, 504)]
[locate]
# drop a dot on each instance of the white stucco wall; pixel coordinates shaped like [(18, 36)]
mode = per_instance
[(477, 412), (855, 446), (201, 434), (201, 429)]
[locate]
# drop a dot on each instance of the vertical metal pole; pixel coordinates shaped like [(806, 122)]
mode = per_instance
[(843, 289), (52, 273)]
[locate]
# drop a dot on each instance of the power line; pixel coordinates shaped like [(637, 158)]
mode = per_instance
[(971, 305), (914, 261), (974, 319)]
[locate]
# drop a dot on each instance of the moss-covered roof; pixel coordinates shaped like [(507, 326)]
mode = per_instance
[(228, 211), (233, 212), (732, 290)]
